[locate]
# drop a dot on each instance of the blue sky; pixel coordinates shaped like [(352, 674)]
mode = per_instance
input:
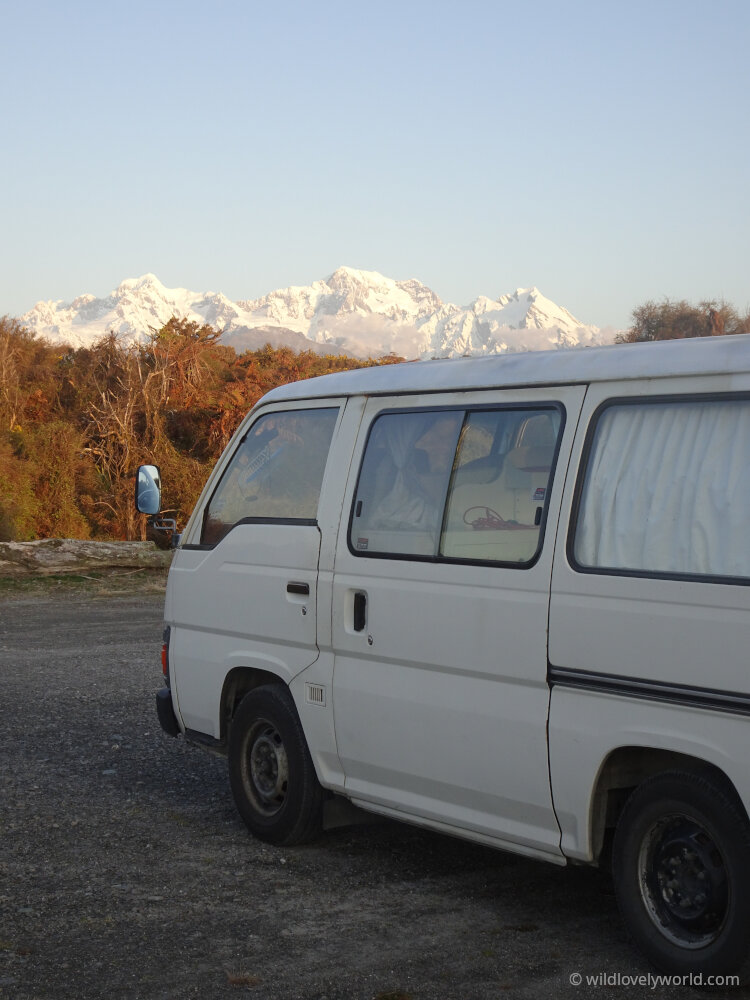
[(598, 150)]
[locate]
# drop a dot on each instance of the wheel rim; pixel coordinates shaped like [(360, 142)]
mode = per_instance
[(683, 881), (267, 767)]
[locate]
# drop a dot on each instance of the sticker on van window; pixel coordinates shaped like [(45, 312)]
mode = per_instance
[(538, 495), (362, 544)]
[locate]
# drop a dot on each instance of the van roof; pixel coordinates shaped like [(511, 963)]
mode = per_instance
[(568, 366)]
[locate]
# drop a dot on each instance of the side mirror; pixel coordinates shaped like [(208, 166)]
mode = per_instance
[(148, 490)]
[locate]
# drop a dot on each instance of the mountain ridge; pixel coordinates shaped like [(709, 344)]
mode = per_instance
[(355, 312)]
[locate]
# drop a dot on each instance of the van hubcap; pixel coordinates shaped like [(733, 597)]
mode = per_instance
[(683, 881), (268, 766)]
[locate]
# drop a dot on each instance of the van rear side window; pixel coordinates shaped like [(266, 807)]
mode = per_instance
[(456, 484), (275, 473), (666, 489)]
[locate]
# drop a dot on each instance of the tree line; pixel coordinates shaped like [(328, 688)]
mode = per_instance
[(668, 320), (75, 423)]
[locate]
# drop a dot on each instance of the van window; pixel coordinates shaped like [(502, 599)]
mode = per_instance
[(404, 479), (455, 484), (666, 490), (275, 473), (500, 484)]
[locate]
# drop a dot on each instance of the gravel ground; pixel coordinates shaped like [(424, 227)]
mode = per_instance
[(125, 871)]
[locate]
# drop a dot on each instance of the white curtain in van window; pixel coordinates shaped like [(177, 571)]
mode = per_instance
[(405, 505), (668, 489)]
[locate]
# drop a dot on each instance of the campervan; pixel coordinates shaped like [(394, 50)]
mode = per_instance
[(505, 598)]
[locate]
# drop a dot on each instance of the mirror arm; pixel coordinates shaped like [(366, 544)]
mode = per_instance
[(165, 524)]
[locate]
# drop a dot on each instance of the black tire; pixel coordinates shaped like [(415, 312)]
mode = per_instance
[(681, 864), (271, 773)]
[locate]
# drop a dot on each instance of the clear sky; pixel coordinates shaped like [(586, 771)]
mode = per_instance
[(599, 150)]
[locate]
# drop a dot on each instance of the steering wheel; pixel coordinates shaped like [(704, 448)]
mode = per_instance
[(490, 519)]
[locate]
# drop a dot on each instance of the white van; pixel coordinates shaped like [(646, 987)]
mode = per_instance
[(504, 598)]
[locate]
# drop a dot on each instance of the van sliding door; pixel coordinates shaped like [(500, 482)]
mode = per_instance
[(440, 604)]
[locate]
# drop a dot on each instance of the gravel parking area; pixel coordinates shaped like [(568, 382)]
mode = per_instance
[(126, 872)]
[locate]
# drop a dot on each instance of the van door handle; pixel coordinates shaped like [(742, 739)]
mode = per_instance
[(360, 611), (303, 589)]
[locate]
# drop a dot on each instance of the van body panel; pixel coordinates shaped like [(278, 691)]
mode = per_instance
[(639, 363), (459, 831), (312, 692), (426, 716), (683, 645), (312, 689), (232, 608), (645, 625), (330, 508), (441, 701), (640, 628), (586, 727)]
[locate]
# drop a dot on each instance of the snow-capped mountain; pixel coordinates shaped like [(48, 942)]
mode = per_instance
[(139, 306), (362, 313)]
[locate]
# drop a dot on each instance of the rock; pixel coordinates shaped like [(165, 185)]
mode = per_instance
[(65, 555)]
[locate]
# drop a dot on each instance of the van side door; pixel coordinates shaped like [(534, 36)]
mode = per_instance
[(440, 604), (243, 588)]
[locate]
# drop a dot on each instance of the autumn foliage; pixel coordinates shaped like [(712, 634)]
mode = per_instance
[(76, 423), (669, 320)]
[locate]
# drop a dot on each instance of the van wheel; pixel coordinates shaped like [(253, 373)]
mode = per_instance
[(681, 862), (271, 772)]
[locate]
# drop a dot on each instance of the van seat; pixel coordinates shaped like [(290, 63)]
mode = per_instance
[(526, 478), (538, 431), (481, 470), (531, 458)]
